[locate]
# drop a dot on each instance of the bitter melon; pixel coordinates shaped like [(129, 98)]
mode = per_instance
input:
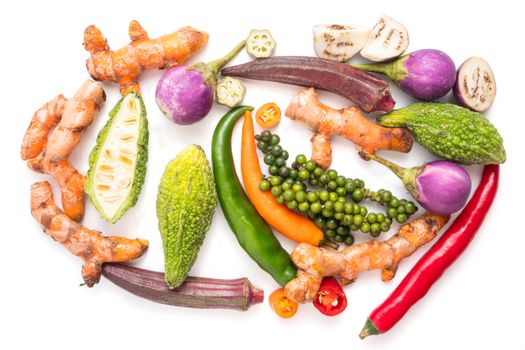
[(117, 163), (450, 132), (186, 201)]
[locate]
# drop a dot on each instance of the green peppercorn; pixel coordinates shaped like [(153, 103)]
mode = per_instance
[(304, 174), (293, 173), (357, 209), (303, 207), (324, 196), (401, 209), (331, 223), (266, 135), (269, 159), (329, 205), (324, 179), (342, 230), (386, 196), (358, 220), (372, 218), (354, 227), (275, 180), (394, 202), (280, 162), (262, 145), (330, 233), (273, 170), (347, 220), (292, 204), (313, 182), (333, 196), (342, 200), (339, 207), (300, 196), (341, 181), (388, 221), (276, 191), (349, 240), (332, 174), (289, 195), (264, 185), (341, 191), (290, 181), (312, 196), (286, 186), (274, 140), (320, 222), (284, 171), (327, 213), (310, 165), (401, 218), (359, 183), (357, 195), (349, 208), (349, 187), (363, 211), (318, 172), (285, 155), (301, 159), (258, 137), (311, 215), (365, 227), (391, 212), (339, 216), (380, 217), (280, 199), (297, 187), (375, 230), (385, 226), (410, 208), (316, 207), (338, 238)]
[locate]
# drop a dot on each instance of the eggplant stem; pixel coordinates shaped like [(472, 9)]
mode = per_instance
[(216, 65), (395, 70)]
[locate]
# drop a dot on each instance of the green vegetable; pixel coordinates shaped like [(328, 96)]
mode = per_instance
[(117, 163), (186, 201), (252, 232), (450, 132), (260, 43), (230, 92)]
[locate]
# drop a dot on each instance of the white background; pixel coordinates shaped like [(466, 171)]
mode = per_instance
[(478, 303)]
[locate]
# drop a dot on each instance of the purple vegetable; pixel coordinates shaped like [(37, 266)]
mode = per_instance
[(424, 74), (440, 186), (185, 94), (475, 86)]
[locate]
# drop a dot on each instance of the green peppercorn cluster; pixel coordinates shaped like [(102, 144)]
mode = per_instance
[(333, 204)]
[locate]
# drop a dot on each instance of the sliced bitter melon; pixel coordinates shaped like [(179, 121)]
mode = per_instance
[(117, 163)]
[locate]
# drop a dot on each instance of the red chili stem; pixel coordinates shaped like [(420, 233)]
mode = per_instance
[(437, 259)]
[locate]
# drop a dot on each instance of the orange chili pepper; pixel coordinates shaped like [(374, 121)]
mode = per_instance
[(281, 305), (269, 115), (296, 227)]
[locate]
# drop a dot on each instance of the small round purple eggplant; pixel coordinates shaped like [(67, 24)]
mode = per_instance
[(441, 187), (185, 94), (475, 86), (424, 74)]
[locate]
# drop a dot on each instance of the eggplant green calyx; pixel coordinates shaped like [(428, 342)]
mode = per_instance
[(211, 69), (395, 70), (407, 175)]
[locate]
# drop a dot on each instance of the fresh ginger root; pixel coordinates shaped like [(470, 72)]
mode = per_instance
[(55, 129), (348, 122), (87, 244), (315, 263), (124, 65)]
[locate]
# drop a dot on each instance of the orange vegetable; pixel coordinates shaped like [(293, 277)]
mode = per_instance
[(281, 305), (125, 64), (269, 115), (294, 226)]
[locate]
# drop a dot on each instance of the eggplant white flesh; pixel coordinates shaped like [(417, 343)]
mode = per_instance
[(388, 39), (475, 86), (338, 42)]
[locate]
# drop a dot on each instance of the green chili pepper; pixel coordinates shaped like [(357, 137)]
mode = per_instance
[(252, 232)]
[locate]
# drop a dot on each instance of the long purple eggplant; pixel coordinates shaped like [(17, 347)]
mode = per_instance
[(364, 90), (195, 292)]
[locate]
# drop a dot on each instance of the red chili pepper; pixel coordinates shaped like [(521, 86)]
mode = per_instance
[(438, 258), (330, 299)]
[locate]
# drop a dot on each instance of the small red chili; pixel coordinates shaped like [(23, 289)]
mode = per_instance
[(330, 299)]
